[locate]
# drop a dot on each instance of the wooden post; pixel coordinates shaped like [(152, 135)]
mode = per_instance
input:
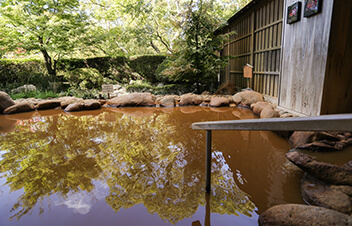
[(107, 89), (251, 60), (208, 163)]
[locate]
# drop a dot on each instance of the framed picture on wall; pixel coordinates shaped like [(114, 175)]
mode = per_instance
[(312, 7), (294, 12)]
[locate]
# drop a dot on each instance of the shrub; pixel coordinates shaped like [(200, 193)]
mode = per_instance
[(15, 73), (146, 66), (176, 89), (85, 94), (34, 94), (84, 78)]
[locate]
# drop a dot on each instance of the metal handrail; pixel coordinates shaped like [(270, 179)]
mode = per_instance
[(340, 122)]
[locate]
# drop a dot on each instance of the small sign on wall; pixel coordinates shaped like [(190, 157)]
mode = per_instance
[(248, 71)]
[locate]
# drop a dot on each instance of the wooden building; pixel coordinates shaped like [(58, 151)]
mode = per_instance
[(305, 66)]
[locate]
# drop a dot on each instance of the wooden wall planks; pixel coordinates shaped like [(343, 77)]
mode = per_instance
[(257, 42), (304, 58), (307, 65)]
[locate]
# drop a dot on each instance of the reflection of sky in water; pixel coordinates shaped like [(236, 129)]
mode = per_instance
[(81, 202)]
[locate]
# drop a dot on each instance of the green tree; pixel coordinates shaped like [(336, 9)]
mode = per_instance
[(148, 26), (54, 28), (197, 60)]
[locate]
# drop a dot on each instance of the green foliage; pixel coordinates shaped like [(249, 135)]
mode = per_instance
[(98, 70), (85, 78), (147, 26), (118, 69), (35, 94), (53, 28), (197, 61), (176, 89), (146, 66), (15, 73), (77, 92)]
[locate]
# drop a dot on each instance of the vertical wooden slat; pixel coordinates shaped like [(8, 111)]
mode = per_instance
[(255, 48)]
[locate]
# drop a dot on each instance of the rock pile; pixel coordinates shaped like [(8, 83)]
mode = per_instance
[(8, 106), (247, 99), (321, 141), (326, 187)]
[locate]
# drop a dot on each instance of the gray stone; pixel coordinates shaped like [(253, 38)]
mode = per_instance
[(65, 101), (24, 88), (259, 106), (18, 108), (90, 105), (190, 99), (219, 102), (296, 214), (168, 101), (237, 98), (320, 141), (269, 112), (326, 172), (5, 101), (48, 104), (250, 97), (73, 107), (318, 193), (133, 100)]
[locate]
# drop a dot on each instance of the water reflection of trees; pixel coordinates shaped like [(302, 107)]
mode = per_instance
[(156, 160)]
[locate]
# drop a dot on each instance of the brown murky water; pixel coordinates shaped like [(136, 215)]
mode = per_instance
[(138, 166)]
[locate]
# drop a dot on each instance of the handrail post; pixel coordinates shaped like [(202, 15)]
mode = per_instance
[(208, 163)]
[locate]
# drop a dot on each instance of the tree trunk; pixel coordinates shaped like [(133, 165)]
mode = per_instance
[(48, 62), (154, 47), (47, 59)]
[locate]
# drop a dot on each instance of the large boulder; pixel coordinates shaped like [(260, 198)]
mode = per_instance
[(321, 141), (18, 108), (5, 101), (168, 101), (249, 97), (133, 100), (32, 101), (269, 112), (190, 99), (65, 101), (332, 174), (48, 104), (318, 193), (259, 106), (227, 88), (90, 105), (297, 214), (219, 102), (24, 88), (237, 98), (73, 107)]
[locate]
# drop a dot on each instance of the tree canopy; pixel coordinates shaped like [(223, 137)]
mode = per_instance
[(71, 28), (111, 27), (53, 28)]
